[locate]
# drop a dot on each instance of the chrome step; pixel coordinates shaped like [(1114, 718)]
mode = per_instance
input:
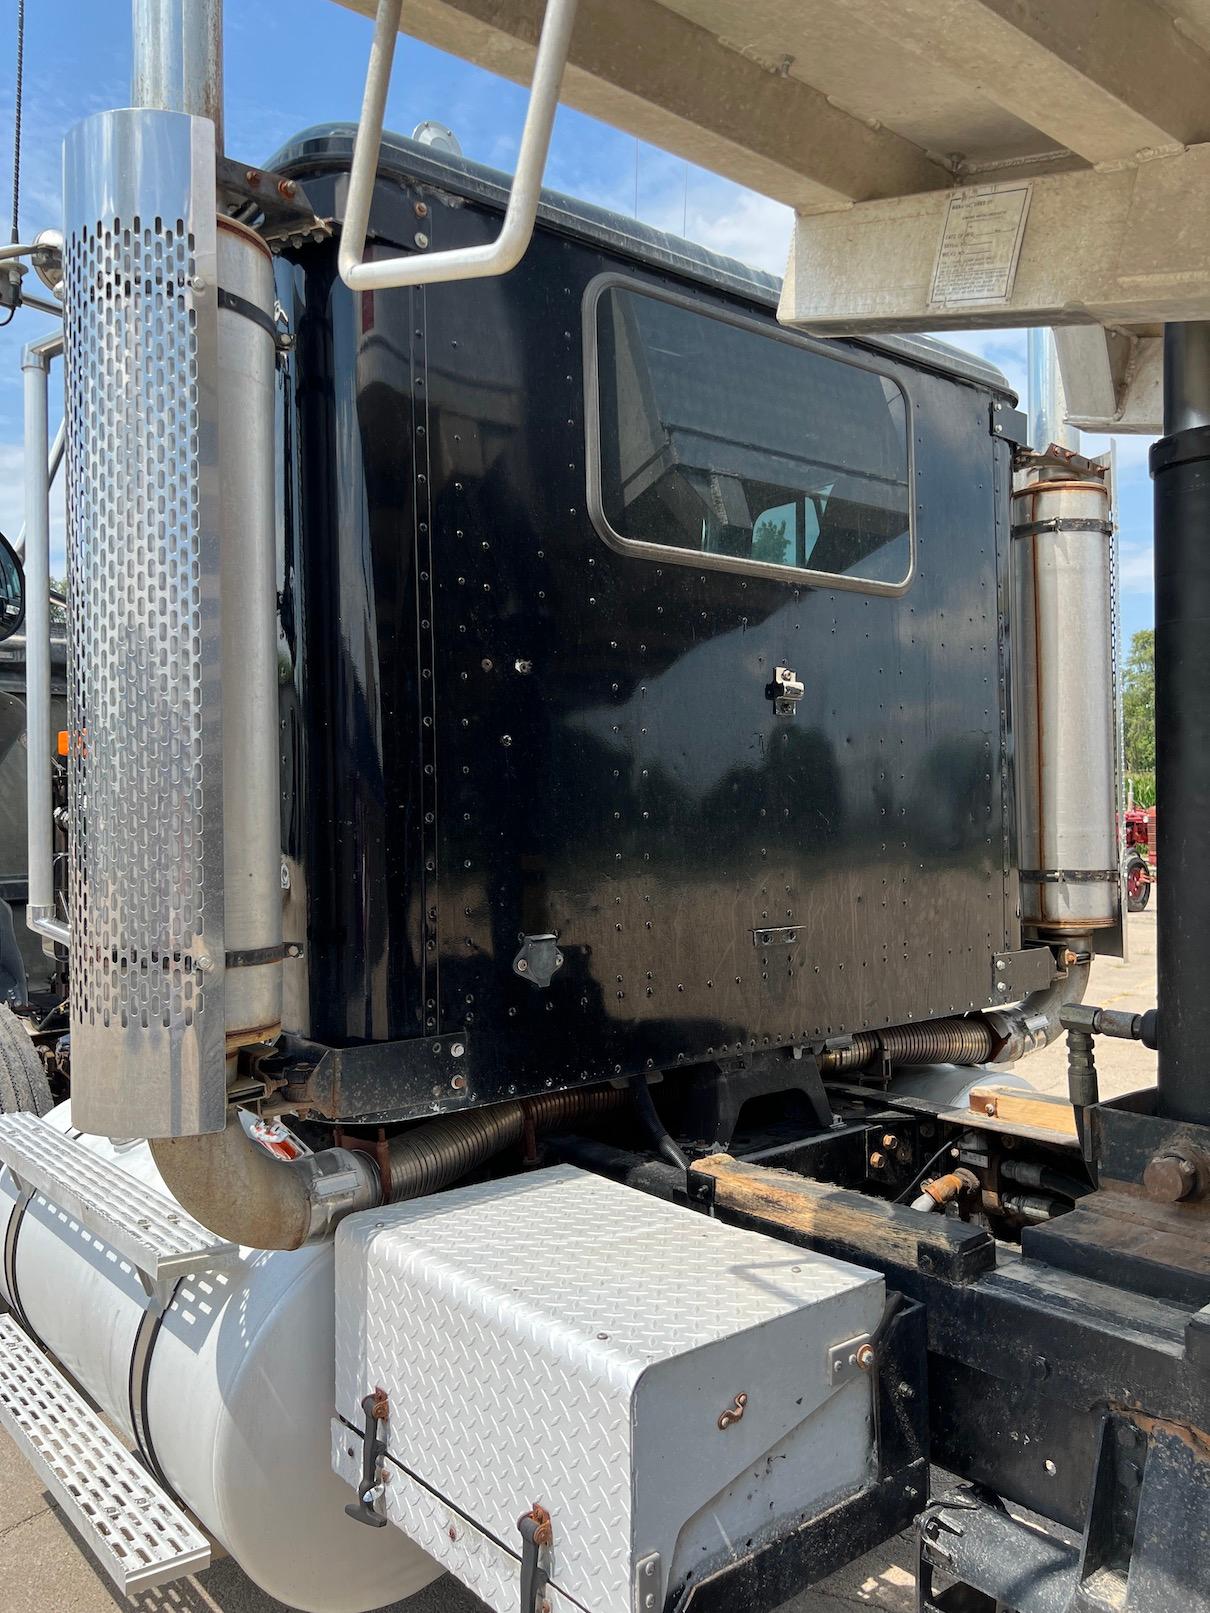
[(158, 1238), (139, 1537)]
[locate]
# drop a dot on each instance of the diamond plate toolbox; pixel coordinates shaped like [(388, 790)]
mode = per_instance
[(659, 1383)]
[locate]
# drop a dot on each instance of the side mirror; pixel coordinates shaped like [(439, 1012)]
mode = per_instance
[(12, 590)]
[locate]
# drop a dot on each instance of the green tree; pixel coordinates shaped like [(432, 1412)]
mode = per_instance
[(1138, 702), (769, 542)]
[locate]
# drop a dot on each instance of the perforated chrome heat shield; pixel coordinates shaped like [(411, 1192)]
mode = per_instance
[(145, 761)]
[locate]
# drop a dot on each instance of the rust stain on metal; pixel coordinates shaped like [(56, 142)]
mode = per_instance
[(377, 1148), (1195, 1439), (733, 1412), (544, 1534), (382, 1405), (944, 1188)]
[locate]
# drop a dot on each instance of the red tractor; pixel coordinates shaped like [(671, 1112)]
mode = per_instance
[(1140, 857)]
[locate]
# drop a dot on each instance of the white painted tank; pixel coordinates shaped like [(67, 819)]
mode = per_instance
[(239, 1399)]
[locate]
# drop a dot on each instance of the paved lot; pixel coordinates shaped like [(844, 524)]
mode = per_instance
[(44, 1568)]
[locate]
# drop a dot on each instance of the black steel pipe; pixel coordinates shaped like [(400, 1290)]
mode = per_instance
[(1180, 468)]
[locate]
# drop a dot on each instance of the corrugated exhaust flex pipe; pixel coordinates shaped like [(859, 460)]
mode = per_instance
[(242, 1192), (997, 1036)]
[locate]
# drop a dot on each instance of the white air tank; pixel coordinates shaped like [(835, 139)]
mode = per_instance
[(240, 1394)]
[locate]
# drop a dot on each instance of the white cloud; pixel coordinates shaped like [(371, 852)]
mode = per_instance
[(1003, 348), (1135, 571), (1132, 450), (686, 201), (752, 228)]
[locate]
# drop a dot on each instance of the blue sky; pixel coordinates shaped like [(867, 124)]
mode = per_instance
[(290, 63)]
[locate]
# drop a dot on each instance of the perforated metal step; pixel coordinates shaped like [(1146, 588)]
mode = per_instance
[(139, 1537), (152, 1232)]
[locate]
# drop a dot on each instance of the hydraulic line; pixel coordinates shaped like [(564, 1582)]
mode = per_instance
[(658, 1134)]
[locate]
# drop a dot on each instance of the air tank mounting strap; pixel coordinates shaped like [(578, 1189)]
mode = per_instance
[(140, 1374), (11, 1234), (236, 304), (1067, 876), (1062, 523)]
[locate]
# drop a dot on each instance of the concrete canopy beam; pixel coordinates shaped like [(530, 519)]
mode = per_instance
[(1107, 79), (1137, 369), (1120, 247), (646, 69), (1094, 363)]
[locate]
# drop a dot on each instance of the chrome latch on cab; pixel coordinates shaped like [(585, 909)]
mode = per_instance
[(785, 691)]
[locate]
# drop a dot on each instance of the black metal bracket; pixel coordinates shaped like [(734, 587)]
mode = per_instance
[(378, 1082), (1010, 424), (373, 1451), (713, 1098), (276, 206), (1143, 1546)]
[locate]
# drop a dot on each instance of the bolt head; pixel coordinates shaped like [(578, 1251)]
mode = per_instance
[(877, 1160), (1171, 1177), (421, 239), (457, 1049), (521, 966)]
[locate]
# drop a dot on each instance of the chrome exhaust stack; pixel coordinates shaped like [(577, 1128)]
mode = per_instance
[(145, 764), (1064, 698), (170, 350)]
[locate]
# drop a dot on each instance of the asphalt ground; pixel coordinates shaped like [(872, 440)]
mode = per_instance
[(45, 1568)]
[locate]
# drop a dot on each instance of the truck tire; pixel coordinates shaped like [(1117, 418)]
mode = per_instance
[(23, 1083), (1138, 883)]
